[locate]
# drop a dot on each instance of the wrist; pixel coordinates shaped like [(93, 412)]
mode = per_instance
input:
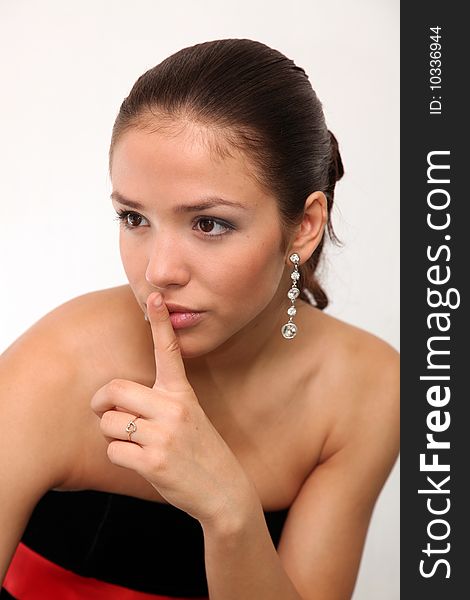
[(235, 515)]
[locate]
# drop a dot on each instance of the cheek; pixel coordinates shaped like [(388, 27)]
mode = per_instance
[(131, 259), (253, 274)]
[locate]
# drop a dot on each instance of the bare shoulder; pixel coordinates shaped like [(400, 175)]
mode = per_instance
[(361, 373), (53, 367), (92, 316), (43, 375), (98, 332), (76, 314), (49, 351), (357, 385), (67, 352), (355, 355), (348, 340)]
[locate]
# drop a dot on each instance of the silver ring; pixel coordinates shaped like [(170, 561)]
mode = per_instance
[(131, 427)]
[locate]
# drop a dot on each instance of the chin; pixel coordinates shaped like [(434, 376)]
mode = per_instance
[(198, 344), (192, 350)]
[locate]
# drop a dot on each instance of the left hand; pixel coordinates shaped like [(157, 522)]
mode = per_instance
[(175, 447)]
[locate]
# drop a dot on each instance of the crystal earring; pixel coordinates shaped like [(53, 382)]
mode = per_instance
[(289, 330)]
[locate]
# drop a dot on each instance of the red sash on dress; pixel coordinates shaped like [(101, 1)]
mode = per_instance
[(33, 577)]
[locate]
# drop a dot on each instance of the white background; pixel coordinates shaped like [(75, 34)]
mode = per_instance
[(65, 69)]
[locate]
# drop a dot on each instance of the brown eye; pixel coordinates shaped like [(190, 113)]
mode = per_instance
[(213, 228), (207, 225), (133, 219), (130, 220)]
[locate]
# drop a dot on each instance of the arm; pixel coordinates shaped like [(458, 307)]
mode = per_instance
[(35, 377), (320, 549)]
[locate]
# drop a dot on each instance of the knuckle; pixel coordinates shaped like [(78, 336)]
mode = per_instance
[(181, 412), (107, 420), (112, 452), (173, 346), (115, 386), (95, 402)]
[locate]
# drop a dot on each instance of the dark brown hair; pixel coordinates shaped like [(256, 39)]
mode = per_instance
[(251, 97)]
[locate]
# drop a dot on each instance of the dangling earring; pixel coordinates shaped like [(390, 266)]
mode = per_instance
[(289, 330)]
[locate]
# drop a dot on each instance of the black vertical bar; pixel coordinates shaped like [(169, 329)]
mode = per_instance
[(435, 556)]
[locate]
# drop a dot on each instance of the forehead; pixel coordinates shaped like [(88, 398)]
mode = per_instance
[(182, 162)]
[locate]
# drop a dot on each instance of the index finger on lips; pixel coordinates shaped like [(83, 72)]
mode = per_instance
[(170, 371)]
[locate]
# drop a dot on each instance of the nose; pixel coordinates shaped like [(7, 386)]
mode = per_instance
[(166, 265)]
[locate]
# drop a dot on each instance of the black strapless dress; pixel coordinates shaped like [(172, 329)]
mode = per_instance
[(145, 546)]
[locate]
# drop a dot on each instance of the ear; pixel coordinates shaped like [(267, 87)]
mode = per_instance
[(311, 229)]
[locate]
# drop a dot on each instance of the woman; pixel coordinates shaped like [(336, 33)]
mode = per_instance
[(219, 435)]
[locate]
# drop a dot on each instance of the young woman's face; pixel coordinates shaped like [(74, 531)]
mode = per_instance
[(224, 260)]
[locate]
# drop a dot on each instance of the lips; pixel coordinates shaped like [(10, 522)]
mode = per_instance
[(178, 308), (181, 320), (172, 308), (181, 317)]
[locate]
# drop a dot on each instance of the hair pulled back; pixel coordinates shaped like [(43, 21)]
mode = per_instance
[(252, 98)]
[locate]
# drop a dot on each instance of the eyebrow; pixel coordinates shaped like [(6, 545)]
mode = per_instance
[(206, 202)]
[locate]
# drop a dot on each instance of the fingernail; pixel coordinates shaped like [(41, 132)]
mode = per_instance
[(158, 300)]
